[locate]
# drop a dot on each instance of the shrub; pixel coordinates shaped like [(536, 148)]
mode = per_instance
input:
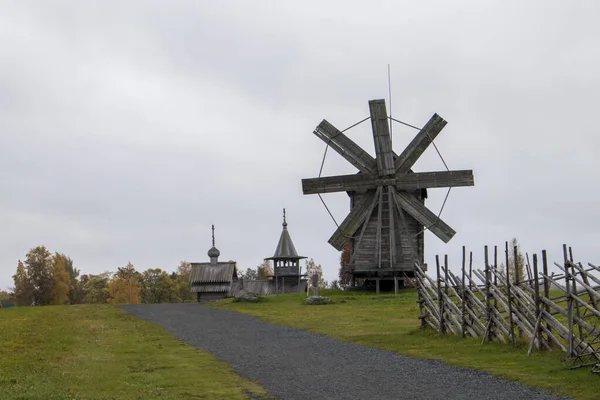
[(247, 297), (317, 300)]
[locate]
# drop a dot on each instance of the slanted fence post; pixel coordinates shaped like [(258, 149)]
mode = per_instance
[(446, 278), (517, 281), (546, 287), (483, 311), (470, 269), (537, 331), (540, 304), (510, 299), (495, 272), (463, 295), (575, 293), (421, 298), (489, 330), (569, 302), (439, 294)]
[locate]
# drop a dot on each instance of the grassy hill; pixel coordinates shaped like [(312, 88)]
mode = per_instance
[(391, 323), (98, 352)]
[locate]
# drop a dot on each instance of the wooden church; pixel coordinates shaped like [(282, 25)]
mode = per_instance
[(214, 280)]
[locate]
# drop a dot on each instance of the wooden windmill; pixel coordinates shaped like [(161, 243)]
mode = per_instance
[(387, 219)]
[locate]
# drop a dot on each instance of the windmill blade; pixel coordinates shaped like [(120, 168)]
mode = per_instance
[(353, 221), (418, 211), (343, 183), (419, 144), (408, 182), (381, 137), (345, 147), (434, 179)]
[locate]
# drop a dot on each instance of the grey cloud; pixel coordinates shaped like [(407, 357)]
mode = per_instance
[(126, 129)]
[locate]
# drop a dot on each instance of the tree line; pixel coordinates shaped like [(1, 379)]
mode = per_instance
[(44, 278)]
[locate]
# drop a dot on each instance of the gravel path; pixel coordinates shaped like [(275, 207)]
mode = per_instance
[(294, 364)]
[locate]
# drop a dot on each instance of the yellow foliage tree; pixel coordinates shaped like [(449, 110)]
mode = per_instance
[(61, 280), (125, 286), (264, 270)]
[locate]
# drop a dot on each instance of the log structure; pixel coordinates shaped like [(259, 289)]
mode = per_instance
[(387, 216), (213, 280), (286, 269), (541, 310)]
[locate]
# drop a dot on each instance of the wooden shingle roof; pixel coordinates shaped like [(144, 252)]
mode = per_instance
[(285, 248), (221, 272)]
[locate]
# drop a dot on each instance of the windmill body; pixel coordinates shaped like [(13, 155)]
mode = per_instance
[(387, 219)]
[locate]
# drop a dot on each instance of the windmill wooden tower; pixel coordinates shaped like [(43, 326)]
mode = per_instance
[(387, 216)]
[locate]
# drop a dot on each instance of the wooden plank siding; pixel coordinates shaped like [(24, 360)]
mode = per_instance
[(262, 287), (398, 235), (402, 181), (291, 270), (207, 297), (357, 199), (210, 287), (392, 228)]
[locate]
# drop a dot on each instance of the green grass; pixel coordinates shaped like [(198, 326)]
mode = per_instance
[(98, 352), (391, 323)]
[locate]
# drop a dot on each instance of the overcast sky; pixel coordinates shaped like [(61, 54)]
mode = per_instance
[(127, 128)]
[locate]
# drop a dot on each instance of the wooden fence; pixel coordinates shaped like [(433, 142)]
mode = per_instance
[(545, 311)]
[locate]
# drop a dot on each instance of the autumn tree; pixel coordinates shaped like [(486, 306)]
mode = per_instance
[(313, 268), (157, 287), (264, 270), (249, 275), (6, 298), (94, 288), (74, 284), (78, 292), (182, 281), (23, 286), (61, 281), (34, 279), (345, 276), (124, 287)]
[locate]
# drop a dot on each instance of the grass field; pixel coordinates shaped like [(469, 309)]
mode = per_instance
[(391, 323), (98, 352)]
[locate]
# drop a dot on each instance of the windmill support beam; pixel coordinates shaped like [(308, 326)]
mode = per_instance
[(345, 147), (402, 181)]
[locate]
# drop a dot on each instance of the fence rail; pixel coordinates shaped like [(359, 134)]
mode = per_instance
[(546, 311)]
